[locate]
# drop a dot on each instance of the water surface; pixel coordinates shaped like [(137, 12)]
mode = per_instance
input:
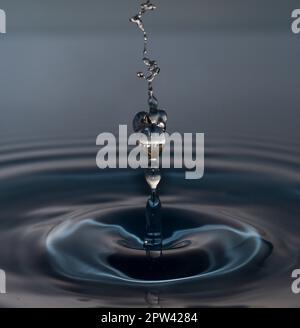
[(72, 235)]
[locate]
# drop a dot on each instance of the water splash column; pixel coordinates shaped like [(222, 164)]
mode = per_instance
[(152, 124)]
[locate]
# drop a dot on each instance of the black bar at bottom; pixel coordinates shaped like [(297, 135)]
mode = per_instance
[(145, 317)]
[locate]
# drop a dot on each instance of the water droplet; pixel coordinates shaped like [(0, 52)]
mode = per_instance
[(153, 178)]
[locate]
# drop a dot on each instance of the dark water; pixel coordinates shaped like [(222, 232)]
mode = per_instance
[(72, 235)]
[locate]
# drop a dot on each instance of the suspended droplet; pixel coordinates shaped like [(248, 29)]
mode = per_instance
[(153, 178)]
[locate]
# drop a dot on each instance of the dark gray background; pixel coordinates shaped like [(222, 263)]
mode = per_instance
[(228, 67)]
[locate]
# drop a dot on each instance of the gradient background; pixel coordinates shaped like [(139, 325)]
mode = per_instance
[(227, 67)]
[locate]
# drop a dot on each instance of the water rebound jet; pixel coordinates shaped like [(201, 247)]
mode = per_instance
[(148, 123)]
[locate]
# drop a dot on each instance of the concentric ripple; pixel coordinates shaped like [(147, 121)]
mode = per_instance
[(91, 249), (72, 235)]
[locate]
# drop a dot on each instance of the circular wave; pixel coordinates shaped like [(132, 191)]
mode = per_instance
[(75, 233)]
